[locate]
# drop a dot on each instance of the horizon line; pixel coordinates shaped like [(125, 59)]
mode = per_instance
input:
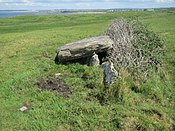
[(98, 8)]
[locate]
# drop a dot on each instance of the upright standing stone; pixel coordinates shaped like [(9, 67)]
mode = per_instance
[(94, 60), (110, 73)]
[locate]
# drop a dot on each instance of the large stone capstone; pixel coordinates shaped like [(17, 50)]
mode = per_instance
[(83, 48)]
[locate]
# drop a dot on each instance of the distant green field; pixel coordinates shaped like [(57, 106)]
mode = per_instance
[(27, 52)]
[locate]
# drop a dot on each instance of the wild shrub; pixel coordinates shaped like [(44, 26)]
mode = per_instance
[(136, 53), (135, 48)]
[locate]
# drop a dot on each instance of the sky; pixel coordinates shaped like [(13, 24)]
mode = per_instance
[(82, 4)]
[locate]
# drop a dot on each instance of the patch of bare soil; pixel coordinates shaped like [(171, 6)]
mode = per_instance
[(56, 85)]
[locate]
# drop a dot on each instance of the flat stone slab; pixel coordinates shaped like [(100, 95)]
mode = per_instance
[(83, 48)]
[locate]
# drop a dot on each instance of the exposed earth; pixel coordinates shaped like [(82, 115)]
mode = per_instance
[(55, 84)]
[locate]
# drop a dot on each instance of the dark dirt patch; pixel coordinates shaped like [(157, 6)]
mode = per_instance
[(56, 85)]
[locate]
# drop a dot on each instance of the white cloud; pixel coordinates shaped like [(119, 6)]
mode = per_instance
[(79, 4), (140, 0), (83, 4), (164, 1), (158, 1)]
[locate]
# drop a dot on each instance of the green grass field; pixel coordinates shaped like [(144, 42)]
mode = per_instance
[(27, 52)]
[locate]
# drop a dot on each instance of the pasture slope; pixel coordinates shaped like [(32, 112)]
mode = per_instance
[(27, 51)]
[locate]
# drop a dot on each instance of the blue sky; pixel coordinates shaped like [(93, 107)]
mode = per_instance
[(82, 4)]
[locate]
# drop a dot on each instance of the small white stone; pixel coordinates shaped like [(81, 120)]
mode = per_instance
[(24, 108), (57, 75)]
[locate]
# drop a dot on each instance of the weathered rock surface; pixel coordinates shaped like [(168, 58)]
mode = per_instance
[(94, 60), (84, 48), (111, 75)]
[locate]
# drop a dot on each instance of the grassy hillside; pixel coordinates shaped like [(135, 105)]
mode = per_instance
[(27, 51)]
